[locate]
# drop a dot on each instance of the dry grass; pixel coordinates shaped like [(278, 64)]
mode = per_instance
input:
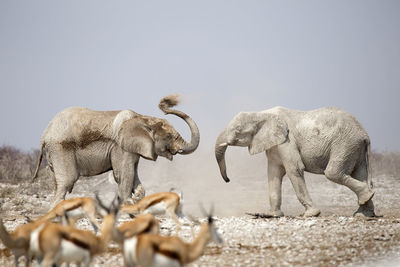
[(385, 163), (16, 165), (16, 169)]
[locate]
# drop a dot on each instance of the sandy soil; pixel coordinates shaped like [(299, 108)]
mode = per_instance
[(335, 238)]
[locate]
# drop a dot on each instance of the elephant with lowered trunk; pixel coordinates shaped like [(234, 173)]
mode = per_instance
[(326, 141), (82, 142)]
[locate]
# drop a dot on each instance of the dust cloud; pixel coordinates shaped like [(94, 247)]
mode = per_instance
[(197, 177)]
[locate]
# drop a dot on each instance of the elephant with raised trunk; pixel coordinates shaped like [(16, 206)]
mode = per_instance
[(326, 141), (83, 142)]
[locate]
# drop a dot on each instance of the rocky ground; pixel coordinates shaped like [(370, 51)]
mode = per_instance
[(336, 238), (287, 241)]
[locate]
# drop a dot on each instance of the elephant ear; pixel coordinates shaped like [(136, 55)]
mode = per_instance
[(137, 138), (272, 131)]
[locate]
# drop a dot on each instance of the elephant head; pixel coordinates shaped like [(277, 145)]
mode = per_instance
[(152, 137), (259, 131)]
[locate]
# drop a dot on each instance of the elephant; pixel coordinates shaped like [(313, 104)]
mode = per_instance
[(83, 142), (327, 141)]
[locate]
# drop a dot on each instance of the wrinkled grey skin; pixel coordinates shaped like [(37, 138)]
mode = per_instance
[(82, 142), (326, 141)]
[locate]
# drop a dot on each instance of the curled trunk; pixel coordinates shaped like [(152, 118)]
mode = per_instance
[(165, 105), (220, 148)]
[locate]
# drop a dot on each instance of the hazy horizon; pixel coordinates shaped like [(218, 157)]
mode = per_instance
[(221, 56)]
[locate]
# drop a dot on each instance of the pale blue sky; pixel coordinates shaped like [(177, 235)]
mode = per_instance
[(222, 56)]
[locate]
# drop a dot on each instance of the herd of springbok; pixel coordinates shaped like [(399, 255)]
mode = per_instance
[(54, 239)]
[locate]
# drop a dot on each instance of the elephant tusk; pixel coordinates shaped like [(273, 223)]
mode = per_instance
[(223, 144), (180, 151)]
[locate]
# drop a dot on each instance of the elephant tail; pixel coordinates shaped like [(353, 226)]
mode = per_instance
[(39, 161), (367, 158)]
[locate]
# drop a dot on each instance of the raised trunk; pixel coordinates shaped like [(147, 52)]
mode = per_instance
[(165, 104), (220, 148), (188, 148)]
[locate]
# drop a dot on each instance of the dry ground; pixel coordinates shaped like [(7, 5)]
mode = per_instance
[(333, 239)]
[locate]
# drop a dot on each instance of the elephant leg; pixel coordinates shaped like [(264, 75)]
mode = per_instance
[(295, 170), (125, 186), (138, 189), (123, 164), (300, 188), (361, 174), (66, 173), (336, 173), (276, 171)]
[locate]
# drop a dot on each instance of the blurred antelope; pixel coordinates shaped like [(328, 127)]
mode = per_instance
[(126, 233), (158, 204), (76, 208), (155, 250), (142, 223), (18, 240), (55, 243)]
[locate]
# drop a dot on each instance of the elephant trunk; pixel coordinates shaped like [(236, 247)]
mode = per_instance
[(220, 148), (186, 148)]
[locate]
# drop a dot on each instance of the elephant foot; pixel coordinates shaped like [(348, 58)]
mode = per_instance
[(139, 193), (365, 210), (275, 213), (365, 195), (311, 212)]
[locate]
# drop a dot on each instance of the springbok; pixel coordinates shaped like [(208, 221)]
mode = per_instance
[(142, 223), (75, 208), (154, 250), (18, 240), (159, 204), (54, 243), (126, 233)]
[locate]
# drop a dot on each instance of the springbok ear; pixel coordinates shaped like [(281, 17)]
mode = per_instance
[(272, 131), (137, 138)]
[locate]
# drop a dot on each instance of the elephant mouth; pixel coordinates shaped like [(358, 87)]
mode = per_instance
[(167, 154), (154, 158), (174, 152)]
